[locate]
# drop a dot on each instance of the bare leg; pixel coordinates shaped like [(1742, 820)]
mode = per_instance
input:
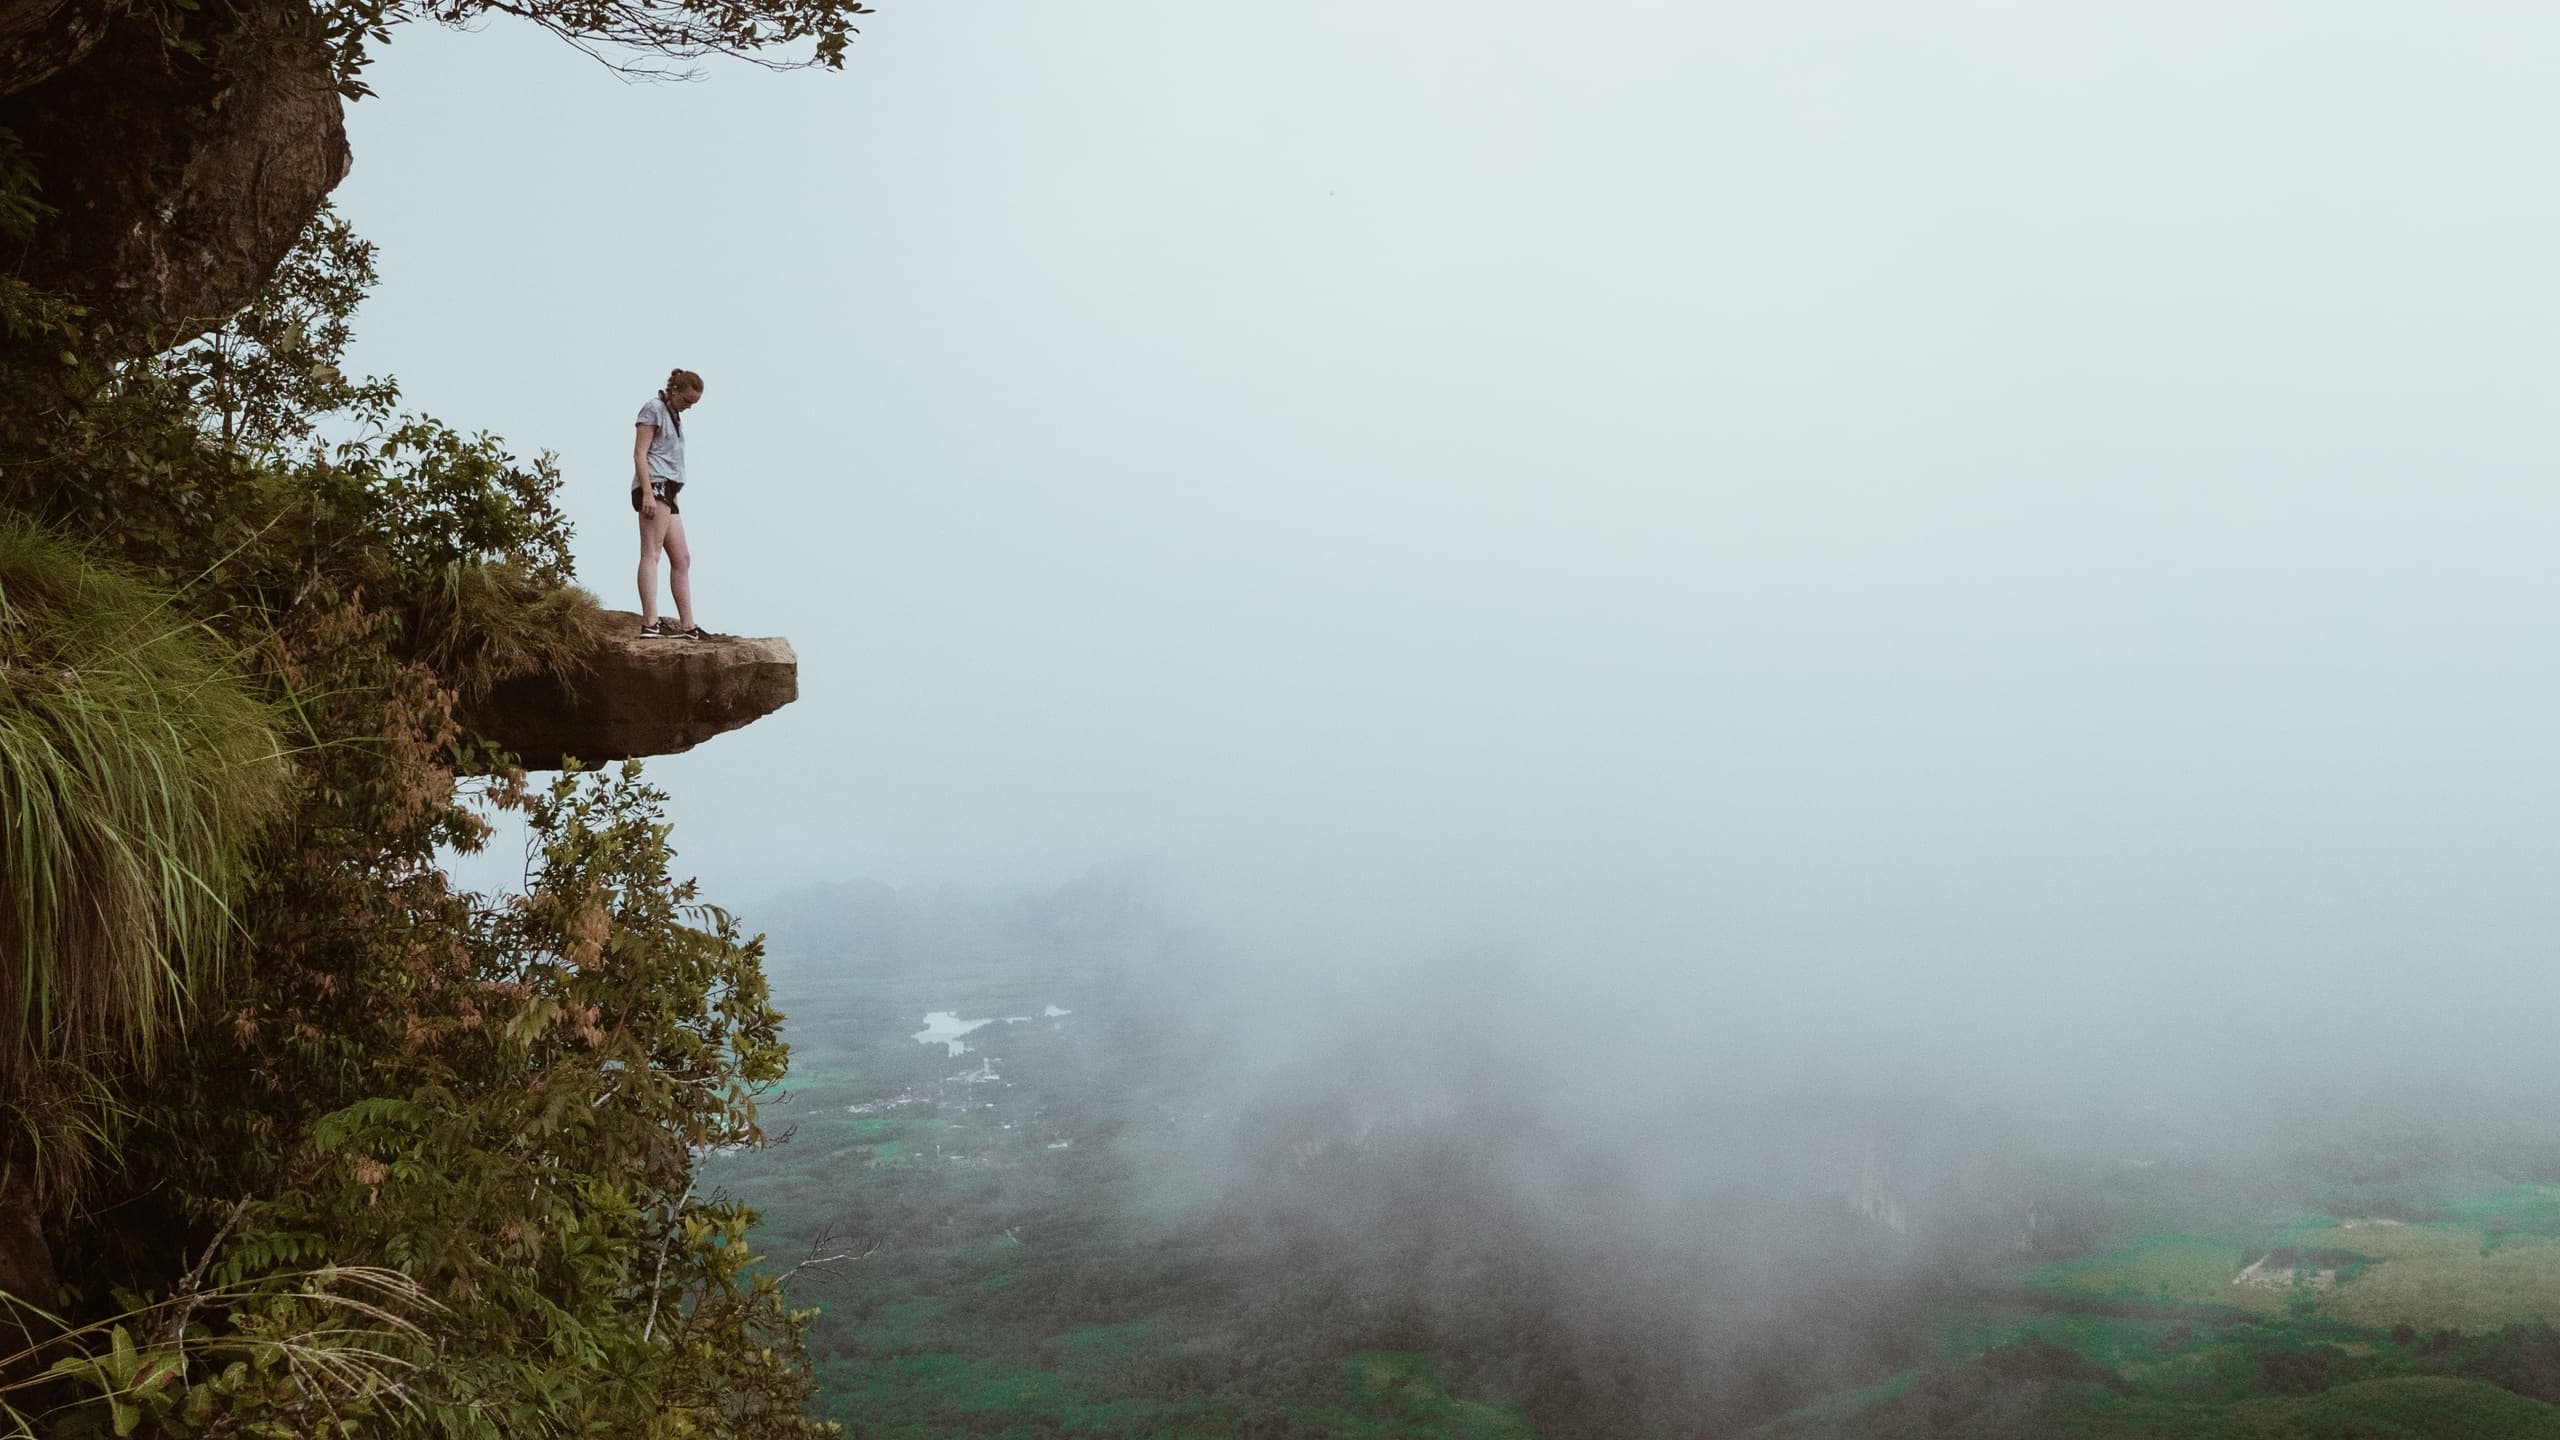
[(653, 538), (679, 569)]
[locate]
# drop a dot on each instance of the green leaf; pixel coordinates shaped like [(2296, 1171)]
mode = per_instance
[(159, 1369), (120, 1361)]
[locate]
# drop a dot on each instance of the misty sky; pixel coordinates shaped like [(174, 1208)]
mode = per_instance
[(1981, 485)]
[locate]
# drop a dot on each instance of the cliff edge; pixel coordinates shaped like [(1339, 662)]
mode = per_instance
[(639, 697)]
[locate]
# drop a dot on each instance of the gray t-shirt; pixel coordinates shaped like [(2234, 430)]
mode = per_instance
[(666, 442)]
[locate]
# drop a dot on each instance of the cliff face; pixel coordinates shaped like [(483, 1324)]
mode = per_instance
[(639, 697), (39, 37), (177, 180)]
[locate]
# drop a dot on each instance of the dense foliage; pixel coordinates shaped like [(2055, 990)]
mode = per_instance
[(418, 1161), (135, 770)]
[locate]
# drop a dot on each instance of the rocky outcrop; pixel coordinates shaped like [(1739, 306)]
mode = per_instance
[(39, 37), (639, 697), (178, 180)]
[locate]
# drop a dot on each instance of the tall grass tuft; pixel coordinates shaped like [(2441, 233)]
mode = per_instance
[(136, 769), (490, 621)]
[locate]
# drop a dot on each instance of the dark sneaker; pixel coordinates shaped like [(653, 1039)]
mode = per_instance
[(657, 630), (696, 632)]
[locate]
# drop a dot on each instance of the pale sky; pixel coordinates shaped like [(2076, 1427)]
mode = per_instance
[(1982, 487)]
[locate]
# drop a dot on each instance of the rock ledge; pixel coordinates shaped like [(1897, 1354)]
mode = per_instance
[(641, 697)]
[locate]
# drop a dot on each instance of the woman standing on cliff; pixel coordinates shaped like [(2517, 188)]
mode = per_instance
[(657, 476)]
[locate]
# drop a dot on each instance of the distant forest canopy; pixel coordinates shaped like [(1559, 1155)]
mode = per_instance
[(296, 1138)]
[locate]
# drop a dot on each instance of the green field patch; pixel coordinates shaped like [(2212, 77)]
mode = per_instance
[(1835, 1408), (1479, 1421), (2175, 1269), (2118, 1342), (2516, 1212), (2449, 1276), (1384, 1377), (934, 1368), (898, 1324), (1033, 1390), (905, 1387), (2420, 1407), (1397, 1394)]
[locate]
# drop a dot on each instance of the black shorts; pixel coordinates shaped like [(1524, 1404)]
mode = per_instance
[(666, 491)]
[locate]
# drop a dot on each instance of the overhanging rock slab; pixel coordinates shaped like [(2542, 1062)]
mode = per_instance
[(641, 697)]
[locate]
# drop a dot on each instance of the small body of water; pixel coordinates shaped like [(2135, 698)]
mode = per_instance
[(947, 1027)]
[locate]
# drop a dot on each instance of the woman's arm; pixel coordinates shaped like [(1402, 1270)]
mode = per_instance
[(640, 468)]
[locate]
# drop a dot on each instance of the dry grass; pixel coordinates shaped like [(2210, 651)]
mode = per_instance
[(492, 622), (341, 1336)]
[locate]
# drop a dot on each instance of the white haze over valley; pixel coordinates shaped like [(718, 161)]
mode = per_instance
[(1982, 536)]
